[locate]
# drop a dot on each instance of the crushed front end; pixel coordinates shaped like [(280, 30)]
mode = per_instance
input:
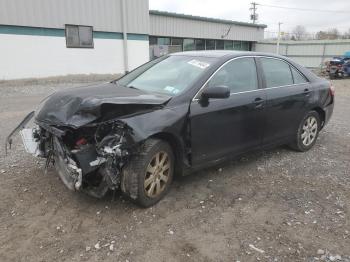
[(88, 159), (90, 133)]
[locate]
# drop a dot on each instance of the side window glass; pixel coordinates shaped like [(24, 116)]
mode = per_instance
[(277, 73), (298, 78), (239, 75)]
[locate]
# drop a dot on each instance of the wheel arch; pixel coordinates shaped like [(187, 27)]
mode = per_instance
[(177, 147), (321, 113)]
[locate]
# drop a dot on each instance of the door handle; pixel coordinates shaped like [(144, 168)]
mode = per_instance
[(259, 102), (307, 91)]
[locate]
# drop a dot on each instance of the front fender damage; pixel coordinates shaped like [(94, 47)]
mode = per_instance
[(91, 158), (94, 163)]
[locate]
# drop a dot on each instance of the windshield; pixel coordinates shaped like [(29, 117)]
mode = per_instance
[(170, 75)]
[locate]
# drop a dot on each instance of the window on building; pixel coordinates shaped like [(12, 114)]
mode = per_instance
[(220, 45), (79, 36), (152, 40), (210, 44), (277, 72), (177, 41), (228, 45), (188, 44), (245, 45), (163, 41), (200, 44), (237, 45), (239, 75)]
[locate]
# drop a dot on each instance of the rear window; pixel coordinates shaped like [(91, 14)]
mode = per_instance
[(335, 63), (298, 77), (277, 72)]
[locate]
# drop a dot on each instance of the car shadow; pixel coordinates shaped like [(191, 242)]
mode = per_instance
[(241, 160)]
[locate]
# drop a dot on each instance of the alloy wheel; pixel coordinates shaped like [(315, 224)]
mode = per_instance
[(309, 131), (157, 174)]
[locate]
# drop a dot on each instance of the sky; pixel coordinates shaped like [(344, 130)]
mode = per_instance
[(238, 10)]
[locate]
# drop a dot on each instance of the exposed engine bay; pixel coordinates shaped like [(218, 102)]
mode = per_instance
[(88, 159), (89, 134)]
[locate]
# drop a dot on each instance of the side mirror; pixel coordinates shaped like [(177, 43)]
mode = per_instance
[(216, 92)]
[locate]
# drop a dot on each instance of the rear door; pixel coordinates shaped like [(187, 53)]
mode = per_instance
[(288, 94), (231, 125)]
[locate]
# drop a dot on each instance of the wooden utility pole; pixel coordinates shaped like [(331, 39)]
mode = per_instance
[(254, 15), (278, 38)]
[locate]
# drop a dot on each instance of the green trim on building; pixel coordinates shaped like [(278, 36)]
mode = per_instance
[(112, 35), (138, 37), (205, 19), (57, 32), (107, 35), (25, 30)]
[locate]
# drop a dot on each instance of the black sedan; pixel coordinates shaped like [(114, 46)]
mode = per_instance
[(174, 115)]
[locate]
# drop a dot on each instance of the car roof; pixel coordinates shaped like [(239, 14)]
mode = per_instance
[(223, 53)]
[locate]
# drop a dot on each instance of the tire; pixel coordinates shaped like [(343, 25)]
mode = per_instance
[(143, 170), (307, 132)]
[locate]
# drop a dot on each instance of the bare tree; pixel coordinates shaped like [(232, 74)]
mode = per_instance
[(321, 35), (347, 34), (333, 33), (299, 32)]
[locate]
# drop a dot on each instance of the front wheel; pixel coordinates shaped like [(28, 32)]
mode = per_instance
[(147, 178), (307, 132)]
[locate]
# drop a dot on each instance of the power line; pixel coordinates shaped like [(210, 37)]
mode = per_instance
[(306, 9)]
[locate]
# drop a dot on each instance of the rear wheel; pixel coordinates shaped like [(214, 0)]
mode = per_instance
[(147, 178), (307, 132)]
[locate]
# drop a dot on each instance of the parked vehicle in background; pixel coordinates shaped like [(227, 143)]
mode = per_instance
[(338, 67), (346, 68), (176, 114)]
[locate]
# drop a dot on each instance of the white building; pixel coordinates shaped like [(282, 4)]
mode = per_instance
[(42, 38)]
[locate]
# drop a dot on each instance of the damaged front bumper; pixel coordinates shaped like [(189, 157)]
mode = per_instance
[(89, 165), (67, 169)]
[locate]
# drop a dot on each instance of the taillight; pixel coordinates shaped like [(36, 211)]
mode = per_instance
[(331, 89)]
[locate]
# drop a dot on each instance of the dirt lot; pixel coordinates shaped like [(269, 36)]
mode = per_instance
[(276, 205)]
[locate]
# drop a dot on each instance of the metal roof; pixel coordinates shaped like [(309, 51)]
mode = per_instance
[(205, 19)]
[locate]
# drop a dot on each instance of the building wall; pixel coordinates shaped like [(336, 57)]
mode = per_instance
[(104, 15), (307, 53), (34, 55), (33, 44), (161, 25)]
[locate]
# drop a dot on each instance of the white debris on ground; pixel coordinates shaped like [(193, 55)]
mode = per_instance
[(97, 245), (256, 249)]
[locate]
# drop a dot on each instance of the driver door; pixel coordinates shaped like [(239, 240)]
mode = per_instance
[(229, 126)]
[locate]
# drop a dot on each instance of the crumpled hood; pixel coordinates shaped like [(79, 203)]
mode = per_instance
[(76, 107)]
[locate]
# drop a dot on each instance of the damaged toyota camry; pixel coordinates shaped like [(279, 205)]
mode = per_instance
[(175, 115)]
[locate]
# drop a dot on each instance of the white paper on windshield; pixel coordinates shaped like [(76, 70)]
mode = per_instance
[(201, 65), (169, 88)]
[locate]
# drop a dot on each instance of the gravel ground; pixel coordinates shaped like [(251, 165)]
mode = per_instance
[(276, 205)]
